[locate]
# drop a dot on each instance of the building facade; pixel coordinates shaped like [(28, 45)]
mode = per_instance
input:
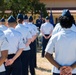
[(58, 5)]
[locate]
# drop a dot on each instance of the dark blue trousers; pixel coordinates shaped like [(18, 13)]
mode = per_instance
[(34, 52), (15, 68), (44, 43), (2, 73), (32, 58), (25, 61)]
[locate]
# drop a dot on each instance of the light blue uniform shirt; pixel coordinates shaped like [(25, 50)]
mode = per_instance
[(58, 28), (25, 33), (25, 23), (64, 45), (46, 28), (3, 27), (32, 28), (3, 46), (15, 40)]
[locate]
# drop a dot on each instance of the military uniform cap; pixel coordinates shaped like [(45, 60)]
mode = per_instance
[(2, 20), (20, 16), (30, 18), (11, 19), (47, 18), (66, 12), (25, 17)]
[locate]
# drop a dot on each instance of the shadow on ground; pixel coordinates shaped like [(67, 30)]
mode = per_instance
[(42, 69)]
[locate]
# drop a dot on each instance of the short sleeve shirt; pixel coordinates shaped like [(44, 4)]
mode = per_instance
[(32, 29), (25, 33), (64, 45), (46, 28), (3, 27), (15, 40), (58, 28), (3, 46)]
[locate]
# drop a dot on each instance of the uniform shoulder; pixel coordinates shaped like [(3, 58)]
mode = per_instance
[(50, 23), (25, 28), (1, 33), (17, 33), (43, 24), (73, 32), (58, 25), (34, 26), (57, 34), (7, 30)]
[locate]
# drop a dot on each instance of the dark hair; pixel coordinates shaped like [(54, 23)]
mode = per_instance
[(31, 20), (65, 22), (47, 18), (19, 20)]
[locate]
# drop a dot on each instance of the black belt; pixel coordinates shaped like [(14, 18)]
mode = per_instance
[(46, 34), (11, 54)]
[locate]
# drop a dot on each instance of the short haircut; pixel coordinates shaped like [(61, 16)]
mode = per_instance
[(30, 20), (19, 20), (65, 22)]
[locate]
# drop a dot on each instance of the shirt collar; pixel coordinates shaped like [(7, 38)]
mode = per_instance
[(25, 22), (2, 25), (47, 22), (11, 28), (30, 23), (68, 30), (20, 24)]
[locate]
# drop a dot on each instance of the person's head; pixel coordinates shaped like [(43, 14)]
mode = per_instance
[(30, 19), (11, 21), (66, 12), (2, 21), (65, 21), (25, 18), (19, 18), (47, 19)]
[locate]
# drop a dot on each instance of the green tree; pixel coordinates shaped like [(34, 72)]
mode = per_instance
[(2, 7), (36, 7), (23, 6)]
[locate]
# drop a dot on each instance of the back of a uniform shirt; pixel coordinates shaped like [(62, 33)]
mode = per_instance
[(3, 46), (25, 33), (46, 28), (3, 27), (15, 40), (64, 45)]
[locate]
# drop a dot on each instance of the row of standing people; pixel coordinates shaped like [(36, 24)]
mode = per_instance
[(20, 43), (46, 30)]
